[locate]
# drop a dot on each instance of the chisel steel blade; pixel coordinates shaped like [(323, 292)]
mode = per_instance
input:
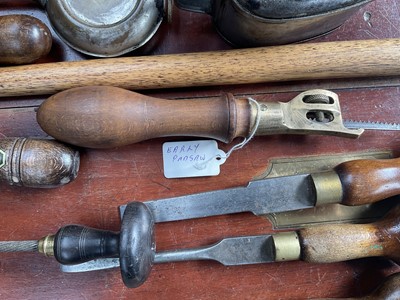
[(259, 197)]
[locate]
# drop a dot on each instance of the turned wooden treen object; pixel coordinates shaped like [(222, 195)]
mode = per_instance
[(23, 39), (307, 61), (37, 163)]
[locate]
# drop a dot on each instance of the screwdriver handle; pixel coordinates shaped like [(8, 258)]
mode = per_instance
[(37, 163), (341, 242), (106, 117), (23, 39)]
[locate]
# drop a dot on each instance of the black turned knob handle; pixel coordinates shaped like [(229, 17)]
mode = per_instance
[(137, 246), (134, 245)]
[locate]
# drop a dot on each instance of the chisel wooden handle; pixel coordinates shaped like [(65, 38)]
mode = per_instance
[(367, 181), (105, 117), (346, 59), (37, 163), (341, 242), (23, 39)]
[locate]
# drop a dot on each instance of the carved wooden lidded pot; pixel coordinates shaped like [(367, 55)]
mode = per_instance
[(246, 23), (37, 163)]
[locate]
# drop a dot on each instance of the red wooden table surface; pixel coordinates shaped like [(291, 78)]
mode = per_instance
[(108, 178)]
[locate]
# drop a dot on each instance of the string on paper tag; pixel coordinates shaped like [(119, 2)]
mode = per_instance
[(200, 158)]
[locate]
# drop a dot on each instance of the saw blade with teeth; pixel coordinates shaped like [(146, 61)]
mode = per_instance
[(371, 125)]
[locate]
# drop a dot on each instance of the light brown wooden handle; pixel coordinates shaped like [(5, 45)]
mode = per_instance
[(105, 117), (341, 242), (37, 163), (23, 39), (368, 181), (345, 59)]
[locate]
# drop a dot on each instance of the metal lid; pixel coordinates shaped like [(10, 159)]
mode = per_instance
[(105, 28), (286, 9)]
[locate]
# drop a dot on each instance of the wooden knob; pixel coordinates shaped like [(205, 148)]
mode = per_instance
[(23, 39), (340, 242), (106, 117), (37, 163)]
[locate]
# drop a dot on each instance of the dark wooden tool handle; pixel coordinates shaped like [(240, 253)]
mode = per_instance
[(340, 242), (23, 39), (77, 244), (106, 117), (389, 290), (368, 181), (37, 163)]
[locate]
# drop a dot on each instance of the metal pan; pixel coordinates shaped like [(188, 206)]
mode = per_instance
[(245, 23), (104, 28)]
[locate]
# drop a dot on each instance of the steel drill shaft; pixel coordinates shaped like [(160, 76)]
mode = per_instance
[(19, 246)]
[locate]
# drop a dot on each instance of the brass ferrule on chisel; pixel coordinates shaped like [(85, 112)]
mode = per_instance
[(328, 188), (311, 112), (287, 246)]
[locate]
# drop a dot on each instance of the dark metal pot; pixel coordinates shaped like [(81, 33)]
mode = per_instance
[(104, 28), (249, 23)]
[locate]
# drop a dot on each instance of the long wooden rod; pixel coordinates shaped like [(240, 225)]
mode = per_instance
[(279, 63)]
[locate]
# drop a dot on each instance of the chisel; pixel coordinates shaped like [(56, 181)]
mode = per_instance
[(352, 183), (135, 245), (106, 117)]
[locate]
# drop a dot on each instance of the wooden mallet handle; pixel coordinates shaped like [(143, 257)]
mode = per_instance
[(307, 61)]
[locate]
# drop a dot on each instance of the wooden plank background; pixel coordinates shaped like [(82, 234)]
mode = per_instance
[(108, 178)]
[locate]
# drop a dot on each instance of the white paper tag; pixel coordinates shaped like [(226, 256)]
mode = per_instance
[(192, 159)]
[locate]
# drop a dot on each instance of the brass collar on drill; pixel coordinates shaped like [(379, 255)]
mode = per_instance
[(46, 245)]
